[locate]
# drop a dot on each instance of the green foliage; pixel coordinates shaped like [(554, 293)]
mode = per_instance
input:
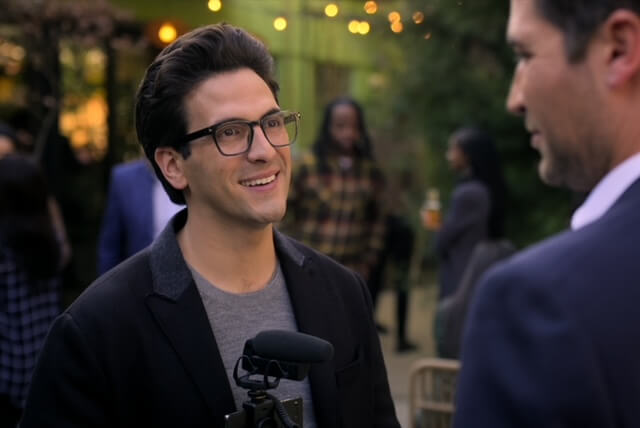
[(457, 70)]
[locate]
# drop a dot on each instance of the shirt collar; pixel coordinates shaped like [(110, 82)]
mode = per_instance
[(607, 192)]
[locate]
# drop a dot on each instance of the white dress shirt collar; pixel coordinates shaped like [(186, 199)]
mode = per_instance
[(607, 192)]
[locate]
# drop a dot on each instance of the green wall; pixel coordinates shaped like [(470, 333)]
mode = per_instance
[(311, 38)]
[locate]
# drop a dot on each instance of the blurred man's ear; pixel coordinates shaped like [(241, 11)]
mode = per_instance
[(171, 163), (621, 33)]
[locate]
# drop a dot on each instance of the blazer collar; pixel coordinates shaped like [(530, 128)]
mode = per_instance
[(170, 273)]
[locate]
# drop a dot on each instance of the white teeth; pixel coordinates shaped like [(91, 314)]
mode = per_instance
[(259, 182)]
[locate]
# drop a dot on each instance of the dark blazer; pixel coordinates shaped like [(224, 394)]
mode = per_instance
[(465, 225), (136, 348), (553, 337), (127, 224)]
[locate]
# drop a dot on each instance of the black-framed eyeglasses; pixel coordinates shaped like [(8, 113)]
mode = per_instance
[(234, 137)]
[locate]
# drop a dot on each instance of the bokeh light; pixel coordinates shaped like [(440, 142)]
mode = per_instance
[(214, 5), (167, 33), (397, 27), (394, 16), (418, 17), (371, 7), (363, 27), (353, 26), (331, 10), (280, 23)]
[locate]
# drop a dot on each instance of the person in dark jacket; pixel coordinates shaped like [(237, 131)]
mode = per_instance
[(30, 265), (477, 208), (552, 339), (154, 341)]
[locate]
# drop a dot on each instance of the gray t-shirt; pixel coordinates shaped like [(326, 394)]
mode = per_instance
[(234, 318)]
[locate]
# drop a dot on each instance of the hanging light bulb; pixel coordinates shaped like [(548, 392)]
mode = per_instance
[(331, 10), (167, 33), (353, 26), (363, 27), (397, 27), (371, 7), (280, 23), (214, 5)]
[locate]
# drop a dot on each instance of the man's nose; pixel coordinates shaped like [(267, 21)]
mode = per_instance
[(515, 99), (260, 148)]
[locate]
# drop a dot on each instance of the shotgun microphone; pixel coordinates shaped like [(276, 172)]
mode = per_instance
[(291, 346)]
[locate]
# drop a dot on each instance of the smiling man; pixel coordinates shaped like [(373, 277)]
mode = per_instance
[(552, 340), (154, 342)]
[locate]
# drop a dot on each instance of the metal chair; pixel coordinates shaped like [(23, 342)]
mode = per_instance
[(432, 387)]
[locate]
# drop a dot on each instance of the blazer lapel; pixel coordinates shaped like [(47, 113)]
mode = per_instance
[(186, 325), (311, 308), (177, 307)]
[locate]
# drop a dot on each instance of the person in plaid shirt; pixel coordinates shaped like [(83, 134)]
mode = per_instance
[(335, 202), (30, 256)]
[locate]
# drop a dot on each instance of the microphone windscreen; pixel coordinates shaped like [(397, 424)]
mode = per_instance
[(291, 346)]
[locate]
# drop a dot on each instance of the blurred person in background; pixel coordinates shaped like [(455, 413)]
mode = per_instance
[(10, 144), (30, 265), (552, 339), (335, 203), (137, 210), (477, 207), (395, 258)]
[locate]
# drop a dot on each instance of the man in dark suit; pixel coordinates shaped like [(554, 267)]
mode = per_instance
[(137, 210), (154, 341), (552, 340)]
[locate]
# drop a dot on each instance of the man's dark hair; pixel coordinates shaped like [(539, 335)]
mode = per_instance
[(580, 19), (325, 144), (194, 57)]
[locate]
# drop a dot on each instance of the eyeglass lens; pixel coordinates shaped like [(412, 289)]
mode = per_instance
[(235, 137)]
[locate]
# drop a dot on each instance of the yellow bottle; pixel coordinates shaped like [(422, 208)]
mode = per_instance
[(432, 209)]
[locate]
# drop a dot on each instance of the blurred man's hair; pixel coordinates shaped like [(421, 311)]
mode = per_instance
[(580, 19)]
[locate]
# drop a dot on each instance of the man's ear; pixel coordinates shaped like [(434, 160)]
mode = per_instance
[(622, 34), (171, 163)]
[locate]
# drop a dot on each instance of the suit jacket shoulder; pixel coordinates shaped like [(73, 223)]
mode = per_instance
[(549, 339)]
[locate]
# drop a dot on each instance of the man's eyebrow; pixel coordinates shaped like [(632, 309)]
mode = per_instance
[(241, 119), (272, 111), (516, 44)]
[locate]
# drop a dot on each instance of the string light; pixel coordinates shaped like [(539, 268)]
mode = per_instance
[(353, 26), (397, 27), (331, 10), (363, 27), (371, 7), (394, 17), (214, 5), (280, 23), (167, 33)]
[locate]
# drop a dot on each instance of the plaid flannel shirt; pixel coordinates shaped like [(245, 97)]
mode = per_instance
[(338, 212), (25, 318)]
